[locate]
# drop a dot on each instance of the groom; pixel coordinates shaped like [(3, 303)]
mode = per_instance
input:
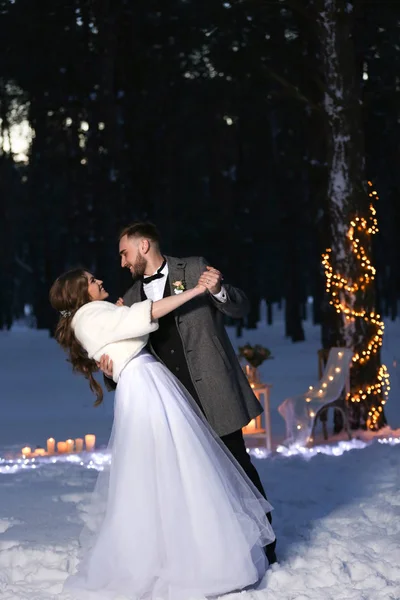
[(192, 342)]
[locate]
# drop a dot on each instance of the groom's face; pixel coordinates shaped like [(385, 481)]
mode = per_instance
[(130, 250)]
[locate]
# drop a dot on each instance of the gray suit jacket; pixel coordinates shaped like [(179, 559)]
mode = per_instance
[(224, 392)]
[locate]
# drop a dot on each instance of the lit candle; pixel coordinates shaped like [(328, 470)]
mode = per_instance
[(70, 445), (78, 445), (26, 451), (40, 452), (51, 445), (90, 441), (61, 447), (250, 427)]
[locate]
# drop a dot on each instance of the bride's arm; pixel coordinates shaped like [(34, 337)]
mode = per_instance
[(102, 323), (163, 307)]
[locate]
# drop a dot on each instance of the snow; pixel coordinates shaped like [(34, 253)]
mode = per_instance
[(336, 514)]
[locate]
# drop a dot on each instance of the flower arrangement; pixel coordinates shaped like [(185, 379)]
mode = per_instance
[(179, 287), (255, 355)]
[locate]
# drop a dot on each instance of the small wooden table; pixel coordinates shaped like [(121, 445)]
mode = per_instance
[(256, 428)]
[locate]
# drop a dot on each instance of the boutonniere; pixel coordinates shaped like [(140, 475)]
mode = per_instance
[(179, 287)]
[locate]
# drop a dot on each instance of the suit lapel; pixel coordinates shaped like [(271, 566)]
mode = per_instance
[(176, 272), (134, 294)]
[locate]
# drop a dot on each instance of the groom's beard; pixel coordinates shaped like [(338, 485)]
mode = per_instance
[(139, 267)]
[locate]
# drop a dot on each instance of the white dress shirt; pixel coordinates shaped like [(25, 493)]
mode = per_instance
[(155, 289)]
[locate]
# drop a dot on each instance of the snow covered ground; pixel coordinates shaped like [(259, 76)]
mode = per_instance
[(337, 515)]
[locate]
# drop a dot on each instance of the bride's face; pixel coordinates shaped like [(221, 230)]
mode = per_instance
[(95, 288)]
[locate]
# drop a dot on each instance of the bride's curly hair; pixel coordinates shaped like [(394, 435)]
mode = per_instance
[(67, 294)]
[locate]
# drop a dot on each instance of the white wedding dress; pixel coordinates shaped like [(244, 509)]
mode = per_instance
[(174, 517)]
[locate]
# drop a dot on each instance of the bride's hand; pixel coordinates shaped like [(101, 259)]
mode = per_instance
[(206, 283), (106, 365), (212, 280), (200, 287), (120, 302)]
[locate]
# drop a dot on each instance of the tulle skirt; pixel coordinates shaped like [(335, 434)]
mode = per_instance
[(174, 517)]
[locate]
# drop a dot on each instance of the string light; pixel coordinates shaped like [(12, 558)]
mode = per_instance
[(341, 288), (333, 449), (98, 460)]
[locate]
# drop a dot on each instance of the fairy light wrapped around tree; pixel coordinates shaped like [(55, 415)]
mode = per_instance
[(351, 296)]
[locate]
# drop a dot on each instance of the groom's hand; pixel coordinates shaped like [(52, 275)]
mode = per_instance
[(212, 280), (106, 365)]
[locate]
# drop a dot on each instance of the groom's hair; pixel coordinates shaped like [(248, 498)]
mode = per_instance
[(142, 229)]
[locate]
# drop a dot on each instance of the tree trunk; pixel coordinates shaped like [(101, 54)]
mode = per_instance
[(352, 322)]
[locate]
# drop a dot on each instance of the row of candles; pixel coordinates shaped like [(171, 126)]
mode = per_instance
[(67, 447)]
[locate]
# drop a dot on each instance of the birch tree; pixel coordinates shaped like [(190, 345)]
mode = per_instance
[(351, 213)]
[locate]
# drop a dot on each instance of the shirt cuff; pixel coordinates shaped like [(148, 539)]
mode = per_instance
[(221, 296)]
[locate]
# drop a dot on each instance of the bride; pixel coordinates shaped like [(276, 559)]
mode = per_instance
[(174, 517)]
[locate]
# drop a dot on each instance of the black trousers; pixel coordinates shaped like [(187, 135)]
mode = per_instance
[(235, 444)]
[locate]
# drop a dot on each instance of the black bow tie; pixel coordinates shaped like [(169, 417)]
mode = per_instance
[(157, 275)]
